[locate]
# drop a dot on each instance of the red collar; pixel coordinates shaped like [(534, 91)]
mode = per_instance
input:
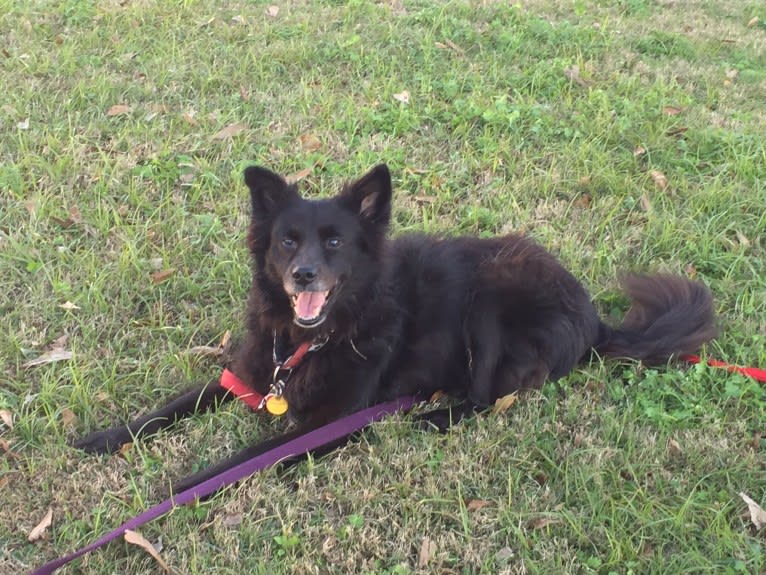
[(282, 371)]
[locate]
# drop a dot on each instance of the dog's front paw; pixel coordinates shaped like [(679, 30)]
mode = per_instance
[(104, 441)]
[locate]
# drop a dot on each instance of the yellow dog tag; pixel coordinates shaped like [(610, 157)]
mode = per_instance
[(276, 405)]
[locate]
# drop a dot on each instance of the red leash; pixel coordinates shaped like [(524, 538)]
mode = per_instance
[(754, 372)]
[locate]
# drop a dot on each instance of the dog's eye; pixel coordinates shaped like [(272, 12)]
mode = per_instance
[(288, 242), (334, 243)]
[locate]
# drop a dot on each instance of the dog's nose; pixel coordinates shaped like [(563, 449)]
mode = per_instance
[(304, 275)]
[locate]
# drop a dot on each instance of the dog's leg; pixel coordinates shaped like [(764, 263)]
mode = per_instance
[(199, 399)]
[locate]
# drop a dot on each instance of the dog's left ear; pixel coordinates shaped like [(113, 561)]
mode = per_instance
[(370, 195)]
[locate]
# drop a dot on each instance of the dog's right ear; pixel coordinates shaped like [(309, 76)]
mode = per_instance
[(268, 190)]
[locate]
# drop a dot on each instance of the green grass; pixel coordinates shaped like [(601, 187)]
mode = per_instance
[(583, 477)]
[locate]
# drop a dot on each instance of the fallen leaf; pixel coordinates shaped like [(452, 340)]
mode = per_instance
[(675, 132), (118, 109), (298, 176), (69, 306), (543, 522), (454, 46), (646, 205), (742, 239), (476, 504), (436, 396), (60, 342), (503, 404), (583, 201), (659, 179), (427, 550), (232, 520), (504, 554), (7, 418), (403, 97), (230, 131), (189, 117), (205, 350), (757, 514), (225, 339), (125, 448), (161, 276), (272, 11), (572, 73), (731, 74), (671, 110), (135, 538), (50, 356), (238, 19), (639, 151), (674, 448), (39, 530), (67, 417), (309, 142), (753, 21), (23, 125), (6, 448), (4, 480)]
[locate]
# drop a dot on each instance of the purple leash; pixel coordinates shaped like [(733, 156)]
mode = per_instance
[(303, 444)]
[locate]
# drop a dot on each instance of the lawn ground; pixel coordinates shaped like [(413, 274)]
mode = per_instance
[(624, 135)]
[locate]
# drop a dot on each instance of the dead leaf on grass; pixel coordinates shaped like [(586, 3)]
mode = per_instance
[(163, 275), (753, 21), (69, 306), (543, 522), (476, 504), (309, 142), (40, 528), (757, 514), (639, 151), (232, 520), (68, 417), (298, 176), (403, 97), (5, 446), (427, 550), (742, 239), (671, 110), (23, 125), (272, 11), (646, 205), (50, 356), (230, 131), (7, 418), (659, 179), (135, 538), (674, 448), (503, 404), (572, 73), (118, 110)]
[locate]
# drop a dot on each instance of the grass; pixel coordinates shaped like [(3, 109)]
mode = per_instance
[(614, 469)]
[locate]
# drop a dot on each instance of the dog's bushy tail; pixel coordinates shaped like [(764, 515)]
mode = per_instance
[(669, 315)]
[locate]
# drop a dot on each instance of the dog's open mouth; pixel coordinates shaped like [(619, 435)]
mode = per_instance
[(310, 307)]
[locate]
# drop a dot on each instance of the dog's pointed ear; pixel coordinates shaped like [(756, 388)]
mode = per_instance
[(268, 190), (370, 195)]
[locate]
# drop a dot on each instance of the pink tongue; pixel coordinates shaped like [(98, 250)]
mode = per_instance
[(308, 304)]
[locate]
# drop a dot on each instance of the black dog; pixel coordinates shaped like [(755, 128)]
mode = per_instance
[(476, 317)]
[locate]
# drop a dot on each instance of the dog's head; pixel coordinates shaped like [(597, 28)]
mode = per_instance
[(318, 255)]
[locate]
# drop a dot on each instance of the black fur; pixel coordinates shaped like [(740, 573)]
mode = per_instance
[(474, 317)]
